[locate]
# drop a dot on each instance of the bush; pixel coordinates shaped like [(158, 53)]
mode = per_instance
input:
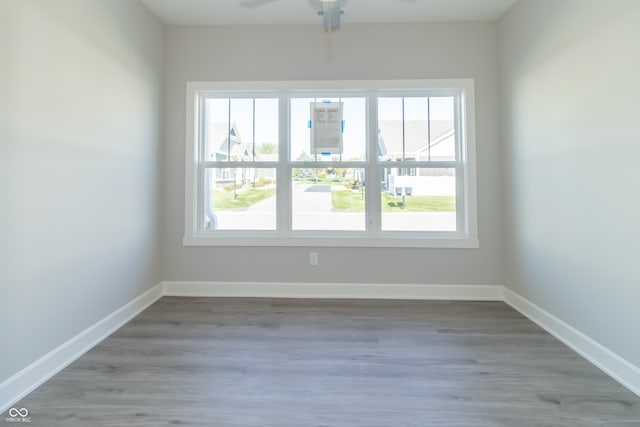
[(262, 181)]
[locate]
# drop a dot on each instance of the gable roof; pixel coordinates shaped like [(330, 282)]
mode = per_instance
[(219, 137), (219, 134), (416, 134)]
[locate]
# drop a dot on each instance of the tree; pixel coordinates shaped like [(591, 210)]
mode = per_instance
[(303, 172), (267, 148), (340, 172)]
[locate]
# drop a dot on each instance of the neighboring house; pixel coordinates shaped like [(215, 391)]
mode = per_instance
[(417, 140), (225, 143), (420, 141)]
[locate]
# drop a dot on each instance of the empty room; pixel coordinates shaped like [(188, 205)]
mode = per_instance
[(348, 213)]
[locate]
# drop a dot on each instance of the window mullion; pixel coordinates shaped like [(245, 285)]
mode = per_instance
[(461, 208), (240, 164), (372, 177), (429, 128), (283, 173), (202, 187), (461, 178)]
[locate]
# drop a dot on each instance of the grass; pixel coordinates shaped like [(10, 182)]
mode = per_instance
[(223, 200), (354, 202), (347, 200), (419, 203)]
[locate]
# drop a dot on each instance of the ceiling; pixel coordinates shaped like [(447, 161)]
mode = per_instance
[(230, 12)]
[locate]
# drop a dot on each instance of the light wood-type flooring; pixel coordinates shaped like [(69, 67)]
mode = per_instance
[(330, 363)]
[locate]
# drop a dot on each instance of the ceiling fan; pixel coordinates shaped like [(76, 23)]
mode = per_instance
[(330, 10)]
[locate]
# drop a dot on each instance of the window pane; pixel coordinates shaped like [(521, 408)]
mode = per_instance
[(328, 199), (332, 129), (267, 130), (240, 199), (416, 128), (442, 145), (218, 134), (422, 199), (241, 129), (390, 132)]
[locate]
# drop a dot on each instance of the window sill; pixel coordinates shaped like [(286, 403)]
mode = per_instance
[(334, 241)]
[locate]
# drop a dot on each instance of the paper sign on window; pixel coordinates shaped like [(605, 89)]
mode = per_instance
[(326, 128)]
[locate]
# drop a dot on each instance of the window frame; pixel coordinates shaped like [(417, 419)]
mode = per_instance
[(466, 235)]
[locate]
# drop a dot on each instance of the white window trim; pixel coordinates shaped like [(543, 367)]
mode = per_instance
[(466, 237)]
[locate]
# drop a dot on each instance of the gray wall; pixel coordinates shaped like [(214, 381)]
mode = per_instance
[(80, 96), (571, 145), (359, 52)]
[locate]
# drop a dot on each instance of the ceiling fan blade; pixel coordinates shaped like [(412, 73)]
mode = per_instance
[(250, 4)]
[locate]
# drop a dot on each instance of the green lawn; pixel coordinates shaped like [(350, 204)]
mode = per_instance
[(223, 200), (347, 200), (351, 201)]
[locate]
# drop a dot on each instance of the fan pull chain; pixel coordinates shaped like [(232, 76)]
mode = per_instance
[(329, 29)]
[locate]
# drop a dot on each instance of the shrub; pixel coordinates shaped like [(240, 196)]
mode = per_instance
[(262, 181)]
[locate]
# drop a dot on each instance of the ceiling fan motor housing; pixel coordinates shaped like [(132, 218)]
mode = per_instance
[(331, 19), (330, 10)]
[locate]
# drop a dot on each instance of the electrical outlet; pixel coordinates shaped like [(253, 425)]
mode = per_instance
[(313, 258)]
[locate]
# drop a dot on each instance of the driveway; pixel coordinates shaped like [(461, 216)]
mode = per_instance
[(311, 198), (314, 198)]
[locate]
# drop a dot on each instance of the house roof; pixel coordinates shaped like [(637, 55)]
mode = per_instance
[(416, 134), (219, 137), (237, 150)]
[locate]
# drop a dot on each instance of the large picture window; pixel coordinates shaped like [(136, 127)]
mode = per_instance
[(375, 163)]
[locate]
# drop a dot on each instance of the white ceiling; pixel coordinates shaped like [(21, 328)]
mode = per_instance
[(231, 12)]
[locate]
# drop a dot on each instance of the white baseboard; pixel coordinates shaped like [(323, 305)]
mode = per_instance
[(615, 366), (335, 290), (28, 379)]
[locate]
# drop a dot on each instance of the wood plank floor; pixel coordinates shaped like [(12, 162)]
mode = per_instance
[(279, 362)]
